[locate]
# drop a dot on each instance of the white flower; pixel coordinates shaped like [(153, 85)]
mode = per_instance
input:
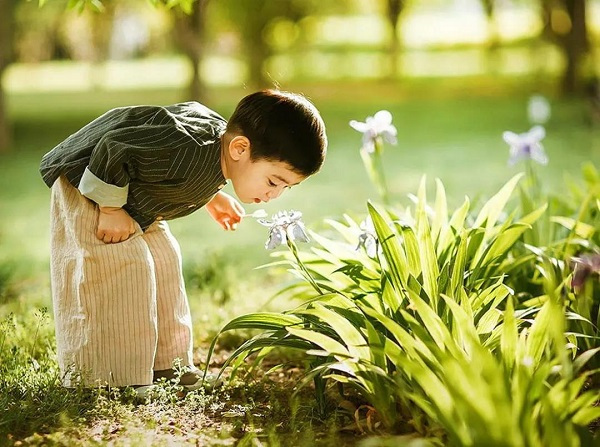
[(368, 238), (526, 146), (258, 214), (283, 225), (538, 109), (376, 126)]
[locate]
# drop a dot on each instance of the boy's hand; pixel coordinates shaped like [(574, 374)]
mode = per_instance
[(114, 225), (225, 210)]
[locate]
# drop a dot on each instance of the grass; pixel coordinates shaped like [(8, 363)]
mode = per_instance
[(450, 129)]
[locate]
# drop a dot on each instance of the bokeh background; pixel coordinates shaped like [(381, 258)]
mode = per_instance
[(454, 73)]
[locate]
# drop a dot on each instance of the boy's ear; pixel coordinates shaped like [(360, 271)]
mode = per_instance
[(239, 147)]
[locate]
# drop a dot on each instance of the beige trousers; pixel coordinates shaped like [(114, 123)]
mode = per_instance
[(120, 310)]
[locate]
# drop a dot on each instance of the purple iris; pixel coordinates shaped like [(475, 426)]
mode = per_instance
[(584, 266), (526, 146)]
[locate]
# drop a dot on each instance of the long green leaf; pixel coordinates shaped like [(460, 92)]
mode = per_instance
[(392, 250)]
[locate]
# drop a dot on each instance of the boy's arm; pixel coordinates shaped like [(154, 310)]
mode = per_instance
[(225, 210), (121, 155), (114, 225)]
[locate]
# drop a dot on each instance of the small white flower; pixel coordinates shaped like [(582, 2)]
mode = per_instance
[(379, 125), (538, 109), (526, 146), (283, 225), (527, 361), (258, 214), (368, 238)]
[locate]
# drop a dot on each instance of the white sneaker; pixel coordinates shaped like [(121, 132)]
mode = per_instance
[(143, 391)]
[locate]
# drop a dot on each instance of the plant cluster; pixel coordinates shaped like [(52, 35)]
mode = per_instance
[(471, 327)]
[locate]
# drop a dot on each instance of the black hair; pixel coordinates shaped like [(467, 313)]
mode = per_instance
[(281, 126)]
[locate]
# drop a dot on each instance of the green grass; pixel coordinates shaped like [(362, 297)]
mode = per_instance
[(449, 129)]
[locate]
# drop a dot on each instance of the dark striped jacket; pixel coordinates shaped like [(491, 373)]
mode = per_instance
[(167, 157)]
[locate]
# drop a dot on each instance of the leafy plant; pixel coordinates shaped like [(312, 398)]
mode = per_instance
[(426, 332)]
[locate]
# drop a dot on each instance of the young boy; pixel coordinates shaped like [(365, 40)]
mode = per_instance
[(121, 311)]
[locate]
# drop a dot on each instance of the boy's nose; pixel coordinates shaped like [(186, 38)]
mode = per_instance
[(274, 193)]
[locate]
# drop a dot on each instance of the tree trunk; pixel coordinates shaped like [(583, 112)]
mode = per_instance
[(189, 35), (102, 26), (5, 128), (7, 9), (575, 47), (493, 42), (394, 9), (257, 49)]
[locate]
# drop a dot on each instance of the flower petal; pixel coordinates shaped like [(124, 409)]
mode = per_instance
[(536, 133), (512, 138), (538, 154), (383, 118), (357, 125), (276, 238), (369, 147), (299, 232)]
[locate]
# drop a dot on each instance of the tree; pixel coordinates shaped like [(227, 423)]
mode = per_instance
[(190, 33), (393, 12), (252, 18), (565, 25), (7, 11), (7, 29), (489, 8)]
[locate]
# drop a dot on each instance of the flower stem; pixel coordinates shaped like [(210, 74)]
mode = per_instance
[(374, 166), (302, 267)]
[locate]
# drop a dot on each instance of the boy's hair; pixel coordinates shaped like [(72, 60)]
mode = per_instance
[(281, 126)]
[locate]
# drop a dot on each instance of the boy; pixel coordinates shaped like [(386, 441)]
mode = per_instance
[(120, 306)]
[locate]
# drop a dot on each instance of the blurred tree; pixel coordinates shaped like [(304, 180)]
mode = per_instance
[(565, 24), (190, 36), (102, 20), (393, 11), (7, 12), (493, 42), (7, 37), (252, 18)]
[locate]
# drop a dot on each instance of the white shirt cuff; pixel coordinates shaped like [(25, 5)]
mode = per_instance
[(104, 194)]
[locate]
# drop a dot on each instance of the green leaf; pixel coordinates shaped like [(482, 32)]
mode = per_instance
[(351, 336), (538, 335), (586, 415), (458, 266), (503, 242), (583, 358), (393, 252), (411, 245), (332, 346), (439, 224), (493, 208), (429, 265), (262, 320), (581, 229), (510, 335)]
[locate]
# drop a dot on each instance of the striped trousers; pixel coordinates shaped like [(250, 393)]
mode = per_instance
[(120, 310)]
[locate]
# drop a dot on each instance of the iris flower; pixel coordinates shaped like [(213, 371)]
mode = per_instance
[(367, 238), (584, 266), (526, 146), (538, 109), (284, 225), (379, 125)]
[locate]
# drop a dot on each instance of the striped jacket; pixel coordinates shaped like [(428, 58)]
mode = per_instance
[(156, 162)]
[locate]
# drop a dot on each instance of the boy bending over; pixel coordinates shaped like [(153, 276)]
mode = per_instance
[(120, 306)]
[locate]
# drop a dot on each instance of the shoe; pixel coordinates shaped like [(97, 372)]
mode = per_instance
[(190, 380), (144, 391)]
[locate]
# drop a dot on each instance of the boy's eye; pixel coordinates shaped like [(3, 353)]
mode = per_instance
[(272, 184)]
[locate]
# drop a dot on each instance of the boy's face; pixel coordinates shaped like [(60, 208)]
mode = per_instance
[(256, 181)]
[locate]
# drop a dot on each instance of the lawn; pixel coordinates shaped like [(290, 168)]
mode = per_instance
[(452, 132)]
